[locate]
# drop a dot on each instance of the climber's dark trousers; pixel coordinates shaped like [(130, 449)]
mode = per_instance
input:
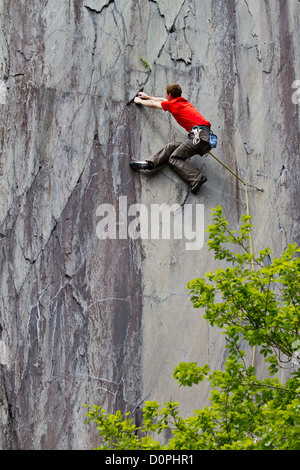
[(175, 154)]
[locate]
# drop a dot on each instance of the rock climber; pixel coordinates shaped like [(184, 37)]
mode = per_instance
[(176, 153)]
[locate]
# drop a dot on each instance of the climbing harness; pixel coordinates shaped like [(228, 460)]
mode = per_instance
[(247, 207), (195, 135)]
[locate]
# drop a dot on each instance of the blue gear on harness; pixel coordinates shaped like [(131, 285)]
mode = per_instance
[(213, 140)]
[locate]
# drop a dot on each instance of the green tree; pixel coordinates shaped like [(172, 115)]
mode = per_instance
[(255, 303)]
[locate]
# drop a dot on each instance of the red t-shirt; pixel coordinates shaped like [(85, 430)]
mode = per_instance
[(184, 113)]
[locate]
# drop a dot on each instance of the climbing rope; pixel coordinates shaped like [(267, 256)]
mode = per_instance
[(247, 206)]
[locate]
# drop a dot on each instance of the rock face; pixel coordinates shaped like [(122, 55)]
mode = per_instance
[(103, 318)]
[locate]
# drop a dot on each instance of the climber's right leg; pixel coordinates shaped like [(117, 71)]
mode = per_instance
[(188, 173)]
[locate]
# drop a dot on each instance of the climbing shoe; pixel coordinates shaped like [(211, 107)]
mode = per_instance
[(141, 165), (198, 185)]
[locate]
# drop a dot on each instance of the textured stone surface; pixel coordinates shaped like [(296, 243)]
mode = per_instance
[(85, 320)]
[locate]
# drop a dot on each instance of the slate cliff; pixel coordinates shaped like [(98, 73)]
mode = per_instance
[(105, 321)]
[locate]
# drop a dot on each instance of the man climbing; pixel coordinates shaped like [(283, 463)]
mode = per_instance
[(176, 153)]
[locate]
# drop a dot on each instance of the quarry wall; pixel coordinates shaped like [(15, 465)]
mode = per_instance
[(89, 319)]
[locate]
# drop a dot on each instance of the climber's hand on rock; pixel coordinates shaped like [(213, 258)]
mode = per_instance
[(143, 95)]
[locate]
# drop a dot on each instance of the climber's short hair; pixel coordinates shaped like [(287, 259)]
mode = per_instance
[(174, 89)]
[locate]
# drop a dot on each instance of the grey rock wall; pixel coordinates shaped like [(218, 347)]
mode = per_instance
[(105, 321)]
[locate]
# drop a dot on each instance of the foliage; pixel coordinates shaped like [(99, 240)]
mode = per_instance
[(261, 304), (253, 303), (146, 64)]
